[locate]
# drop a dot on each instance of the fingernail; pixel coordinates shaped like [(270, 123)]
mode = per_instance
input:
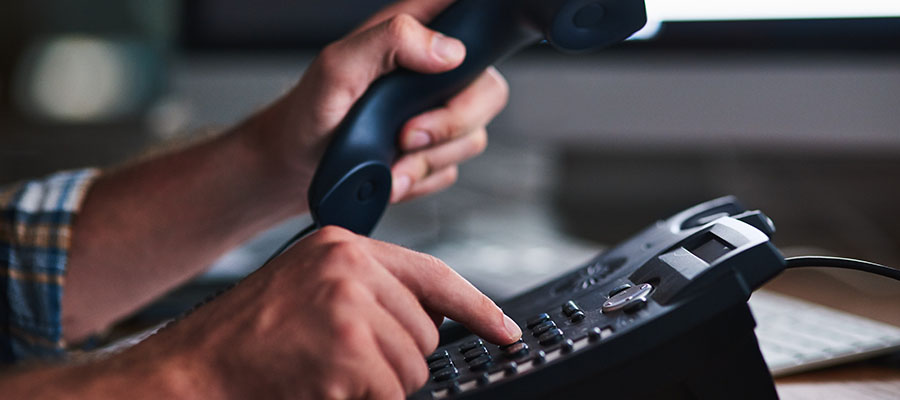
[(446, 48), (418, 139), (401, 186), (512, 328)]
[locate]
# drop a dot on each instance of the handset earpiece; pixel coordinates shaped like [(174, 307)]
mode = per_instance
[(352, 185)]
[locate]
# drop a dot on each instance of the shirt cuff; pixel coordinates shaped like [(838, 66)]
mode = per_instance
[(35, 234)]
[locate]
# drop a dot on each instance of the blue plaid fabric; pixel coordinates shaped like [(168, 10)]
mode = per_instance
[(35, 232)]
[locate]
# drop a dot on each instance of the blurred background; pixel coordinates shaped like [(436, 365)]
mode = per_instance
[(792, 106)]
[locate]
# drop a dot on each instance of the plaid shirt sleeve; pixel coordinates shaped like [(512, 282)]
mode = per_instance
[(35, 232)]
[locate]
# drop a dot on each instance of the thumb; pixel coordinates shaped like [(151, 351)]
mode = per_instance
[(401, 41)]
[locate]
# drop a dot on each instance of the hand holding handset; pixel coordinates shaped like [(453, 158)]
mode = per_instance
[(352, 185)]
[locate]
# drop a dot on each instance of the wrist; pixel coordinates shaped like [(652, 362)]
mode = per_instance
[(278, 170)]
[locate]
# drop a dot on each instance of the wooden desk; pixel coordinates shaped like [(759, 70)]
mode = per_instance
[(859, 293)]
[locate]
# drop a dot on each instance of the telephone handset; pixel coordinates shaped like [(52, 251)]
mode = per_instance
[(663, 315), (352, 185)]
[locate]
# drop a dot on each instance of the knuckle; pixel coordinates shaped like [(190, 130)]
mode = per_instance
[(499, 84), (333, 71), (396, 392), (332, 233), (347, 291), (419, 166), (350, 335), (344, 256), (329, 61), (417, 377), (327, 54), (335, 387), (400, 27), (456, 126), (478, 142), (440, 270), (348, 257), (452, 175), (432, 338), (435, 263)]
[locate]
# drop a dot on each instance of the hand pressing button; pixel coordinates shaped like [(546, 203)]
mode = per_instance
[(514, 350)]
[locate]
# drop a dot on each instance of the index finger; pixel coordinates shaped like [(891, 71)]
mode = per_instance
[(440, 289), (422, 10)]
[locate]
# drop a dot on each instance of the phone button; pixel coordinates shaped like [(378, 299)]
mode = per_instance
[(545, 326), (472, 344), (481, 363), (511, 368), (619, 289), (551, 337), (474, 353), (629, 298), (438, 356), (537, 319), (570, 308), (439, 364), (517, 349), (446, 374)]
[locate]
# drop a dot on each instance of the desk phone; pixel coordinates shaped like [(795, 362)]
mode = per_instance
[(663, 315)]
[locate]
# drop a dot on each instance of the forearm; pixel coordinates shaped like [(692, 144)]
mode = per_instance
[(149, 226), (136, 375)]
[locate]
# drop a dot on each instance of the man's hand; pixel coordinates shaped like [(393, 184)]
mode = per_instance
[(338, 316), (295, 130), (167, 218)]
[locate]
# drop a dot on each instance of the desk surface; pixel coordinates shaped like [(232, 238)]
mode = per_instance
[(867, 295)]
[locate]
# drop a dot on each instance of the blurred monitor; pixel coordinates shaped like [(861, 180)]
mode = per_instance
[(683, 24)]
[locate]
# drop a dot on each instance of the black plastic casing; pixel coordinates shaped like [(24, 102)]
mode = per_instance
[(352, 185), (692, 339)]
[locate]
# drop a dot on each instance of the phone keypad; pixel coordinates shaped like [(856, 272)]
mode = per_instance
[(473, 363), (515, 350)]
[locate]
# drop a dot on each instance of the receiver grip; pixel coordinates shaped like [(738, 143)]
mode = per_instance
[(352, 185)]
